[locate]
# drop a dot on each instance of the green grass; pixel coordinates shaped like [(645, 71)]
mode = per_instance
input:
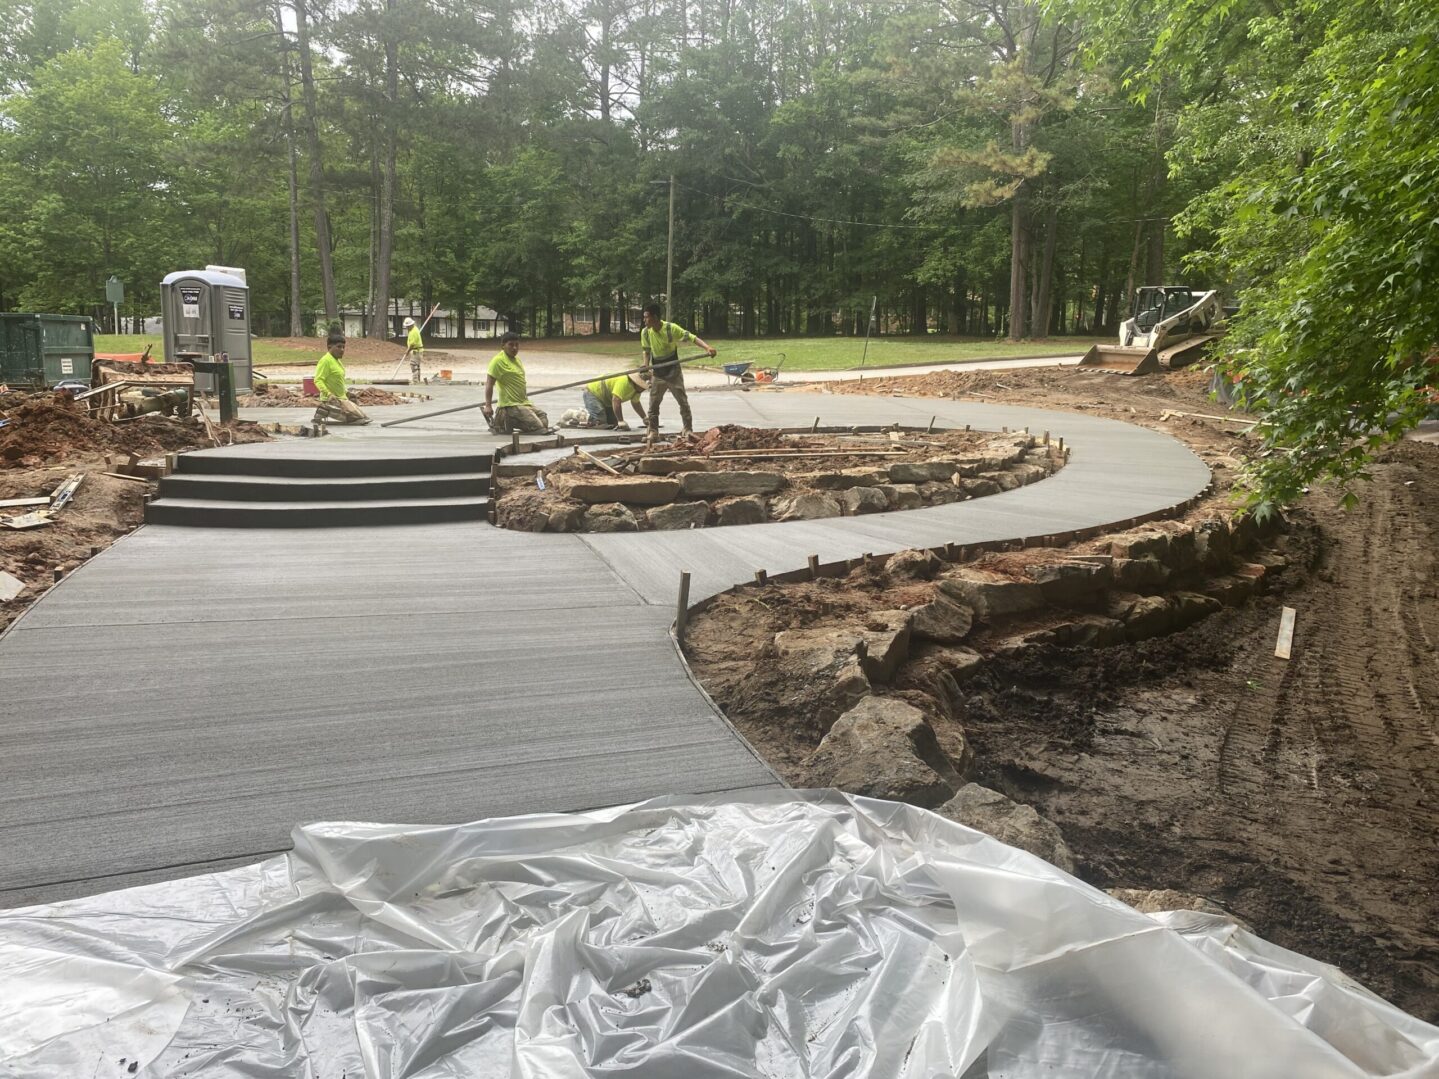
[(800, 353), (262, 351), (839, 353)]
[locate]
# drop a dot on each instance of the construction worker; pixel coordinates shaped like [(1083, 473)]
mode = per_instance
[(516, 411), (414, 348), (335, 405), (605, 398), (659, 343)]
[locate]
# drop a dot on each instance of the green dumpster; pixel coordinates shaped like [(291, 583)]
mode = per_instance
[(41, 350)]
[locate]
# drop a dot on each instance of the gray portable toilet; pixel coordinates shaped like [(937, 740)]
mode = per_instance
[(207, 313)]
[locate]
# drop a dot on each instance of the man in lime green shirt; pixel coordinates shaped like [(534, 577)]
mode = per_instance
[(659, 344), (414, 349), (515, 411), (335, 405), (604, 399)]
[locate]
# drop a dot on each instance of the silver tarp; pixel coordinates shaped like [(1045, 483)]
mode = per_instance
[(783, 934)]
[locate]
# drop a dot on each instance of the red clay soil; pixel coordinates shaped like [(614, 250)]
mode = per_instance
[(294, 397)]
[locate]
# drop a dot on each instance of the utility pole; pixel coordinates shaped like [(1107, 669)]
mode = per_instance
[(670, 251)]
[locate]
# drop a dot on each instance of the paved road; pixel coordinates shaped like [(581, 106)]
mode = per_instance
[(182, 700)]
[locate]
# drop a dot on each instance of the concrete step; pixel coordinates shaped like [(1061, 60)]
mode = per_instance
[(221, 513), (261, 488), (321, 466)]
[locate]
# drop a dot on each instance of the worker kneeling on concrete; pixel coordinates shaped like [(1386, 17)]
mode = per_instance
[(516, 412), (605, 398), (335, 405)]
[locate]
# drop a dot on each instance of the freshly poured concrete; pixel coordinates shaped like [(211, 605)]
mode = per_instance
[(186, 697)]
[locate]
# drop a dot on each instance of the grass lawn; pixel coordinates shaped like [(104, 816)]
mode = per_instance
[(799, 353), (262, 350), (840, 353)]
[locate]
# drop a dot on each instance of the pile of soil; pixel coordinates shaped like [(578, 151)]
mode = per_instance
[(731, 436), (45, 428), (267, 396), (49, 439)]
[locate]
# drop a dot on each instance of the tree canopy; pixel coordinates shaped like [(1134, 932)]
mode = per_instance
[(978, 167)]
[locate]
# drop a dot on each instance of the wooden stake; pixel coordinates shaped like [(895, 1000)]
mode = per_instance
[(761, 577), (59, 572), (814, 426), (682, 607), (514, 442), (1286, 633), (1046, 438), (596, 461), (813, 567), (930, 429)]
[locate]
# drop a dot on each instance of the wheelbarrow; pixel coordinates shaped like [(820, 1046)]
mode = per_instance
[(745, 372)]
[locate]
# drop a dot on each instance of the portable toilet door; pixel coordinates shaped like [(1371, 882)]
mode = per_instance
[(207, 313)]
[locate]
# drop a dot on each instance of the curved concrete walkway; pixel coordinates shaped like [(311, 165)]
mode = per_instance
[(181, 701)]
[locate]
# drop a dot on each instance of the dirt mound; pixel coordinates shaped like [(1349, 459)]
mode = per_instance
[(293, 397), (356, 348), (732, 436), (46, 428)]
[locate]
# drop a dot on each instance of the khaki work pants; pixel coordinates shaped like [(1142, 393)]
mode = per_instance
[(673, 383), (339, 410), (525, 419)]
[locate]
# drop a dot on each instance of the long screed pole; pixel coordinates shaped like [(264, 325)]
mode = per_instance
[(873, 303), (547, 389)]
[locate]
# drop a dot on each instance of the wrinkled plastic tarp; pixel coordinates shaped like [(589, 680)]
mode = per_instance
[(780, 934)]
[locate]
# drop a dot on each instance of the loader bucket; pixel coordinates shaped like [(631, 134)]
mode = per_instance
[(1121, 360)]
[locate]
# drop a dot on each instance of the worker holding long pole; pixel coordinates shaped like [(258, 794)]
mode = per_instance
[(415, 349), (659, 343)]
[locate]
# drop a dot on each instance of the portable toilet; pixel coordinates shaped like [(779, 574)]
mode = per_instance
[(41, 350), (207, 314)]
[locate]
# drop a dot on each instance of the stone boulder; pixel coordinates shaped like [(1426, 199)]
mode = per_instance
[(1070, 580), (940, 494), (1151, 543), (979, 487), (901, 496), (942, 620), (1134, 574), (913, 565), (920, 471), (679, 515), (991, 595), (1212, 543), (714, 484), (886, 643), (816, 650), (1232, 589), (636, 490), (859, 500), (1143, 616), (744, 510), (844, 479), (884, 748), (1190, 607), (1009, 822), (805, 506), (610, 517), (566, 517)]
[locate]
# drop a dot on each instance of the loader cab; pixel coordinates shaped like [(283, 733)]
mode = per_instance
[(1155, 303)]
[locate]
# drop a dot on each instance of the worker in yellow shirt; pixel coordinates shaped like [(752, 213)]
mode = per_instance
[(335, 405), (515, 412), (605, 398), (414, 349), (659, 345)]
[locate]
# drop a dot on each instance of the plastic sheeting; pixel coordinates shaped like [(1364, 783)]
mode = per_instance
[(783, 934)]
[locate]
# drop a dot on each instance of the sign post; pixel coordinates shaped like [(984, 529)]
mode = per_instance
[(115, 293)]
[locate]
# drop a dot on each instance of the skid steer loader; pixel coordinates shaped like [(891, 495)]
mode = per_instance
[(1170, 327)]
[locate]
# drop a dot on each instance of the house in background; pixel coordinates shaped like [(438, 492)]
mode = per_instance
[(480, 322)]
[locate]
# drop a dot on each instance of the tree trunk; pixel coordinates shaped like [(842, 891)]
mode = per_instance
[(1044, 299), (297, 325), (387, 184), (317, 172), (1129, 281), (1016, 270)]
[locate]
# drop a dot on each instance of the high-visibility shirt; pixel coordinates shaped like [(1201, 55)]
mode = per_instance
[(664, 344), (621, 388), (413, 342), (330, 377), (509, 375)]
